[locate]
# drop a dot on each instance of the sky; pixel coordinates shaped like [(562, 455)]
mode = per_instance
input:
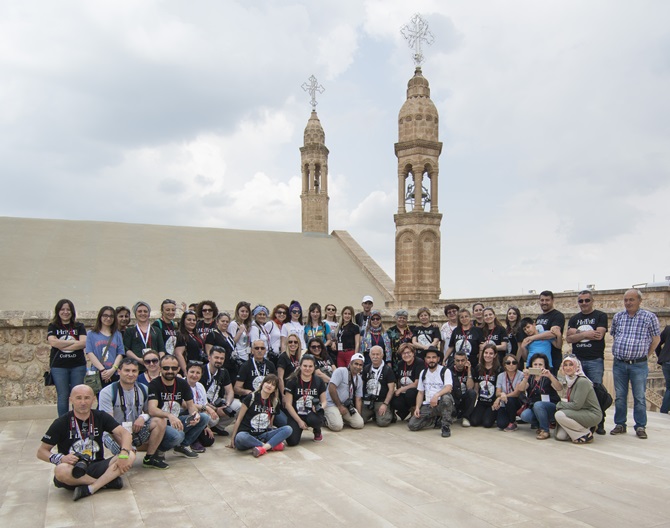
[(554, 115)]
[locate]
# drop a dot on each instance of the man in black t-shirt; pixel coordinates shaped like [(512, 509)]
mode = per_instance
[(550, 324), (586, 334), (363, 318), (463, 392), (252, 372), (167, 396), (78, 435), (378, 388), (216, 380)]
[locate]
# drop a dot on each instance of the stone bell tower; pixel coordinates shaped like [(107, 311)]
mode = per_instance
[(417, 239), (314, 168)]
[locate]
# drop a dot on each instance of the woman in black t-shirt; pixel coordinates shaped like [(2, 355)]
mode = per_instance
[(425, 334), (207, 312), (513, 329), (348, 337), (324, 365), (494, 333), (67, 360), (305, 401), (190, 346), (466, 337), (485, 376), (289, 360), (253, 427)]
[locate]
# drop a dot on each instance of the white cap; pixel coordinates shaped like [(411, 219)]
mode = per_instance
[(367, 298), (357, 357)]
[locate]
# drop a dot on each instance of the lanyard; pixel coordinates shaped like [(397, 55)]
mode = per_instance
[(510, 384), (265, 368), (90, 427), (174, 392), (266, 404), (146, 339), (197, 339), (405, 371), (122, 401), (307, 394)]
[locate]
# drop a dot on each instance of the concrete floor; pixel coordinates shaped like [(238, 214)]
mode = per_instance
[(373, 477)]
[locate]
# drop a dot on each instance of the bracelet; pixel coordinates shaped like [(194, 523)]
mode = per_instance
[(115, 367), (122, 457), (124, 449), (56, 458)]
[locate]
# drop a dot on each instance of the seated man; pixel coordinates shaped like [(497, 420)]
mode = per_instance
[(220, 394), (80, 463), (379, 383), (167, 395), (344, 396), (255, 369), (464, 393), (528, 348), (126, 401), (433, 399)]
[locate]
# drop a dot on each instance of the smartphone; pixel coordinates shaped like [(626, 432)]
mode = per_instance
[(534, 371), (191, 418)]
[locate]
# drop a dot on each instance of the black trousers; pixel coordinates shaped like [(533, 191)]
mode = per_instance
[(313, 420), (465, 404), (403, 403), (483, 414), (507, 414)]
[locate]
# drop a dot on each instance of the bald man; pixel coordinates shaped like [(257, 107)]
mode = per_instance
[(79, 457)]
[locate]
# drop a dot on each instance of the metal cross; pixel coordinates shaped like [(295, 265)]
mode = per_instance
[(417, 32), (312, 88)]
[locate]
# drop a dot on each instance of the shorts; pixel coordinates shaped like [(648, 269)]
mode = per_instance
[(95, 470)]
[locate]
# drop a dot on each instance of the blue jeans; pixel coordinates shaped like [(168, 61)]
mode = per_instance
[(192, 432), (594, 369), (540, 414), (636, 375), (65, 380), (171, 438), (274, 437), (665, 406)]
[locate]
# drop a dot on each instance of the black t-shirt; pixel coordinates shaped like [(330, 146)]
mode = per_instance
[(546, 321), (498, 335), (203, 329), (169, 333), (169, 397), (407, 374), (514, 337), (225, 341), (426, 334), (303, 392), (252, 373), (362, 320), (258, 417), (216, 384), (587, 349), (289, 365), (485, 385), (537, 386), (375, 381), (73, 435), (347, 336), (467, 341), (63, 358), (460, 380), (195, 348), (325, 365)]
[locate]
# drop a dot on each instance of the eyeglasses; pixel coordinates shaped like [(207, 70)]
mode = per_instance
[(150, 361), (189, 312), (107, 316), (513, 362), (315, 347), (259, 348), (584, 301), (280, 312), (174, 369), (169, 301), (406, 352)]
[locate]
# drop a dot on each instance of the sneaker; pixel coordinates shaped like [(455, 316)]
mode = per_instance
[(185, 451), (511, 427), (160, 455), (80, 492), (318, 437), (641, 433), (117, 483), (198, 447), (154, 462), (220, 431), (279, 447), (618, 429), (465, 422), (446, 431), (258, 451)]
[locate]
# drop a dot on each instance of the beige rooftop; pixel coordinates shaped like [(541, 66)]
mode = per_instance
[(99, 263)]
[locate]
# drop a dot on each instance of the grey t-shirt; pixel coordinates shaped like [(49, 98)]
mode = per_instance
[(345, 390)]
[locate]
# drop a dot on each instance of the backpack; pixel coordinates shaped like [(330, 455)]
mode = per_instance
[(604, 397), (442, 370), (115, 391)]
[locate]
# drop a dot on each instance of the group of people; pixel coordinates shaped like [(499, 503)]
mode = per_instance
[(273, 375)]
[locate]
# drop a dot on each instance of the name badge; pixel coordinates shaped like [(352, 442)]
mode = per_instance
[(340, 347), (545, 397), (128, 426)]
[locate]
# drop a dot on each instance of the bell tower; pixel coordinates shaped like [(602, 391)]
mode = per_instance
[(314, 169), (417, 238)]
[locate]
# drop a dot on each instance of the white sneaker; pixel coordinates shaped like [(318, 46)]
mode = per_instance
[(465, 423)]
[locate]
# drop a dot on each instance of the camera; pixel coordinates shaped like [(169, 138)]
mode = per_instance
[(316, 404), (369, 401), (349, 404), (221, 403), (79, 469)]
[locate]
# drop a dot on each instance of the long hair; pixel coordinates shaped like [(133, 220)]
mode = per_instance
[(323, 354), (98, 320), (182, 324), (270, 378), (273, 315), (312, 307), (496, 363), (56, 320), (351, 311), (243, 322), (508, 326), (496, 323), (325, 308)]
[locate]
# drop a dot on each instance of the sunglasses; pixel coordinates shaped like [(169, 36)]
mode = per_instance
[(315, 347), (207, 310), (174, 369), (280, 312), (295, 311), (376, 319), (294, 342), (510, 362), (259, 348), (150, 361), (584, 301)]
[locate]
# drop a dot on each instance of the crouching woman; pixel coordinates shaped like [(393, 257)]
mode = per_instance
[(254, 427)]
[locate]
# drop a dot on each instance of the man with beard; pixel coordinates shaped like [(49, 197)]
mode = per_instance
[(167, 395), (464, 393), (433, 399), (379, 384), (550, 324), (220, 394)]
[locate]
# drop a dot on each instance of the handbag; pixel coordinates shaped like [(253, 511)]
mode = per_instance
[(48, 379)]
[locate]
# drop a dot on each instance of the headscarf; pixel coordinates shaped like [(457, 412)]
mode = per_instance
[(258, 309), (578, 370), (140, 303)]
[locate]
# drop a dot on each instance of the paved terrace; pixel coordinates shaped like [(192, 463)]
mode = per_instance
[(374, 477)]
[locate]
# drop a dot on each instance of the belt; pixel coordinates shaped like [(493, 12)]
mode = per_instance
[(633, 361)]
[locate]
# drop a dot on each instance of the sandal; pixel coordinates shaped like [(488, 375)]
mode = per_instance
[(586, 439), (542, 435)]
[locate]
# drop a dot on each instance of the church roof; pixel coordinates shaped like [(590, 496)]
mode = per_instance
[(99, 263)]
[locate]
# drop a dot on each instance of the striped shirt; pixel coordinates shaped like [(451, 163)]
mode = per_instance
[(633, 335)]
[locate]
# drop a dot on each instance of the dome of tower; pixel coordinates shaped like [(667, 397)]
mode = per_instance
[(418, 117), (314, 133)]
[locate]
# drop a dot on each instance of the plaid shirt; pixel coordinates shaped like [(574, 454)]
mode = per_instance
[(633, 335)]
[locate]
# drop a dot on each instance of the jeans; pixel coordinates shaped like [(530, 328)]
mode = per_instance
[(636, 374), (665, 406), (594, 369), (65, 380), (171, 438), (540, 414), (192, 432), (274, 437)]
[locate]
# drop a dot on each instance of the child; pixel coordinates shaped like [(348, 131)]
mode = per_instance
[(538, 346)]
